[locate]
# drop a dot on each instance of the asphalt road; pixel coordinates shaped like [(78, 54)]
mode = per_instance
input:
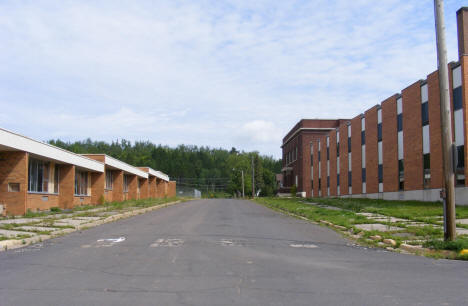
[(221, 252)]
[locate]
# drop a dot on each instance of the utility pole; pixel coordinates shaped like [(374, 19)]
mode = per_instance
[(243, 195), (253, 178), (447, 144)]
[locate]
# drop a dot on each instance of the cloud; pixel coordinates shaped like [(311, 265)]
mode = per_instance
[(259, 132), (217, 73)]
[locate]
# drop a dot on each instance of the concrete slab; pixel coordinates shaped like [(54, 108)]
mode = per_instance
[(462, 231), (19, 221), (378, 227), (388, 219), (365, 214), (67, 221), (38, 228), (462, 221), (13, 234), (87, 218)]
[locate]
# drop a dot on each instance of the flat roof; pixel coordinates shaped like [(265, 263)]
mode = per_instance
[(10, 141), (156, 173), (120, 165)]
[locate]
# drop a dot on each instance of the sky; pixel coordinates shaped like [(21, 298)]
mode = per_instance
[(213, 73)]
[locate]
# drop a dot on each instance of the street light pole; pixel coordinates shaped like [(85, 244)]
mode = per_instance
[(446, 120)]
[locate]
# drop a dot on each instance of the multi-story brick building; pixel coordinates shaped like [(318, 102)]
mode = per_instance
[(392, 150), (37, 176)]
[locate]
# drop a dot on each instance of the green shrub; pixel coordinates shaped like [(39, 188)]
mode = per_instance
[(293, 190), (456, 245), (55, 209), (101, 200)]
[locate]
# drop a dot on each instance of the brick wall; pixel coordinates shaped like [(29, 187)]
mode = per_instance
[(412, 137), (117, 188), (333, 164), (344, 159), (144, 191), (356, 158), (390, 145), (372, 156), (171, 189), (13, 169), (435, 130), (67, 186), (98, 182), (132, 187)]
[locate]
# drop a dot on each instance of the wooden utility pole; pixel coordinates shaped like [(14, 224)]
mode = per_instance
[(446, 120)]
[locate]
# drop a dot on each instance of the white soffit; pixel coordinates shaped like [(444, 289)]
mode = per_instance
[(22, 143), (125, 167), (157, 174)]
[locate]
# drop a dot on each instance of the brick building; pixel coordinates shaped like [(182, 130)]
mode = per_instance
[(36, 176), (392, 150)]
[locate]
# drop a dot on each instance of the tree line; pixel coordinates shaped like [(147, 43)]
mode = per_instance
[(204, 168)]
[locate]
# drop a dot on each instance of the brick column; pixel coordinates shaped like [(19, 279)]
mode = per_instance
[(372, 153), (67, 186), (390, 145), (98, 181), (171, 189), (332, 149), (323, 160), (132, 187), (152, 187), (144, 188), (117, 186), (13, 170), (356, 155), (412, 137), (343, 159), (435, 131)]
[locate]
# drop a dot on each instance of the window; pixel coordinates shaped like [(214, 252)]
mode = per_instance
[(349, 179), (109, 180), (400, 122), (380, 174), (425, 113), (328, 181), (81, 183), (460, 171), (320, 184), (349, 144), (457, 98), (426, 170), (379, 132), (38, 178), (363, 137), (13, 187), (328, 153), (338, 179), (125, 183), (319, 155), (363, 175), (338, 150), (401, 172), (56, 178)]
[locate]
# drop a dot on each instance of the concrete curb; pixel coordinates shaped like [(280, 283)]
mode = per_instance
[(19, 243)]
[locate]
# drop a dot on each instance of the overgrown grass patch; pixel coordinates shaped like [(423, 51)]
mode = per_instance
[(412, 210), (457, 245)]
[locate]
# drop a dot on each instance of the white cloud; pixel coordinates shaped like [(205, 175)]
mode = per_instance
[(230, 73)]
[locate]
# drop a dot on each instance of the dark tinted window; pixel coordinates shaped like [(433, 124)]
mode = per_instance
[(380, 173), (379, 132), (425, 113), (337, 150), (427, 161), (328, 181), (350, 177), (349, 144), (400, 122), (363, 175), (328, 153), (363, 137), (457, 98), (338, 179), (461, 157)]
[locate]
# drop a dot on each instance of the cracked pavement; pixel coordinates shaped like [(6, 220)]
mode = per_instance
[(221, 252)]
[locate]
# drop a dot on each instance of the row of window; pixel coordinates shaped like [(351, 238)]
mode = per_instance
[(291, 156), (41, 176)]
